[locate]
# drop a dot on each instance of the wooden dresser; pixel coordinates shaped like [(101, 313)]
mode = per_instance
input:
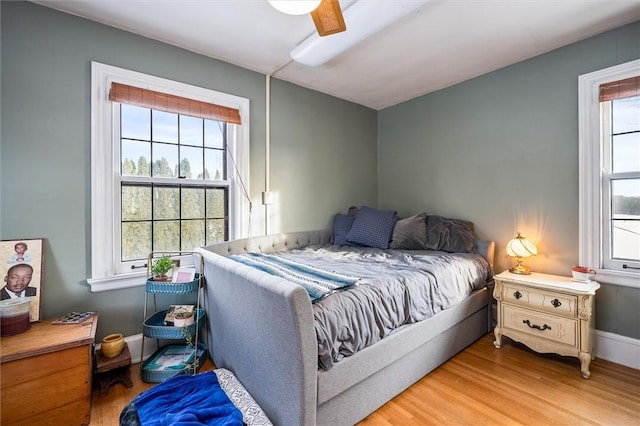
[(548, 313), (46, 374)]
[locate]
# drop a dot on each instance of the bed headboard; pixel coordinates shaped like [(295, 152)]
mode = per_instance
[(487, 250), (293, 240), (271, 243)]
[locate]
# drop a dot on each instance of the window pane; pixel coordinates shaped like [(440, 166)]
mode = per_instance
[(191, 162), (165, 160), (191, 130), (214, 164), (215, 203), (626, 153), (626, 219), (214, 134), (135, 122), (626, 114), (192, 234), (166, 235), (215, 231), (136, 203), (626, 243), (193, 203), (165, 127), (166, 203), (136, 240), (135, 158)]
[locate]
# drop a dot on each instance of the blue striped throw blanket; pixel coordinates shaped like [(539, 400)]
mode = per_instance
[(317, 282)]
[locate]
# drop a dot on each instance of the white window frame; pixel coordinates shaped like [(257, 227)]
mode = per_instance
[(105, 171), (591, 218)]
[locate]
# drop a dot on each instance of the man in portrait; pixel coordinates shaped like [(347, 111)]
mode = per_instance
[(17, 282)]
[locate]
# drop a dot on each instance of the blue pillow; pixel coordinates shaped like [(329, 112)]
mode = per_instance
[(341, 227), (372, 227)]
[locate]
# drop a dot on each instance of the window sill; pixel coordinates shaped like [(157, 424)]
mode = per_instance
[(619, 278), (117, 282)]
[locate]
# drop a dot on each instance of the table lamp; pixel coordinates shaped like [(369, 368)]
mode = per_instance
[(520, 247)]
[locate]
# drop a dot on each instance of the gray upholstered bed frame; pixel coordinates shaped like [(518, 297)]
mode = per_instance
[(261, 327)]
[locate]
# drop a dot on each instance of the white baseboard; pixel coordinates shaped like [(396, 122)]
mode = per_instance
[(619, 349), (135, 346), (609, 346)]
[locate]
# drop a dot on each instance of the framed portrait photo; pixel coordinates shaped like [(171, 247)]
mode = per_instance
[(21, 269)]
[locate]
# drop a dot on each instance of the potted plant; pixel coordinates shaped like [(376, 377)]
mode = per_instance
[(160, 267), (183, 318)]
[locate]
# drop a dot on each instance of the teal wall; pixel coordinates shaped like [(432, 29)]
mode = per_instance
[(45, 146), (501, 150)]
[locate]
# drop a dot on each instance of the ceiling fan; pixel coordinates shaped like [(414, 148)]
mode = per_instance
[(326, 14), (365, 17)]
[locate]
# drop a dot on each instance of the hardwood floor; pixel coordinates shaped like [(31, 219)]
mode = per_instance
[(513, 385), (481, 385)]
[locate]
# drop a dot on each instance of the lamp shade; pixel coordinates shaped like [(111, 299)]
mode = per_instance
[(520, 247), (295, 7)]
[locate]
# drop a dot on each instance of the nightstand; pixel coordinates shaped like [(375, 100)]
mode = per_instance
[(46, 374), (548, 313)]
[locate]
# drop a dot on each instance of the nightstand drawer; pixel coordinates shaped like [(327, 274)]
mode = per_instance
[(559, 329), (556, 303)]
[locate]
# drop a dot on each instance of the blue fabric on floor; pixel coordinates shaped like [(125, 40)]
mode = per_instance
[(187, 401)]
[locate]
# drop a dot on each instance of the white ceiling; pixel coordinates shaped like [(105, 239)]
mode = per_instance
[(443, 43)]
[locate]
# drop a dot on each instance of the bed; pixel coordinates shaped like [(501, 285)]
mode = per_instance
[(266, 328)]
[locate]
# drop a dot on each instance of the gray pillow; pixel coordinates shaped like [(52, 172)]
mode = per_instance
[(450, 235), (410, 233)]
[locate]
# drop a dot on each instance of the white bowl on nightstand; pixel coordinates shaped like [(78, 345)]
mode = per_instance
[(582, 273)]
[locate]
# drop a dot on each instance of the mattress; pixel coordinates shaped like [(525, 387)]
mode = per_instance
[(392, 288)]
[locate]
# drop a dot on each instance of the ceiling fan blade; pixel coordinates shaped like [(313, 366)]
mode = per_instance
[(328, 18)]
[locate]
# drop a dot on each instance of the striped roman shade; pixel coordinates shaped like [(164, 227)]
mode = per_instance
[(620, 89), (170, 103)]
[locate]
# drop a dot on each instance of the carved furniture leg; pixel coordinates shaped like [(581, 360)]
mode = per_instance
[(498, 342), (585, 360)]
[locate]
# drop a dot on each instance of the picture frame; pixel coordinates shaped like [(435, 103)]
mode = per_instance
[(22, 272), (183, 275)]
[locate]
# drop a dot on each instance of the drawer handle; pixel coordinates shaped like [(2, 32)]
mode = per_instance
[(556, 303), (517, 295), (543, 328)]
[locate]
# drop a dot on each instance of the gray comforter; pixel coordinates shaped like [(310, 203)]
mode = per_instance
[(396, 288)]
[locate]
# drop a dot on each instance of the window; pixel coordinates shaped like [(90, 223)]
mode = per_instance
[(621, 182), (609, 162), (169, 169), (159, 153)]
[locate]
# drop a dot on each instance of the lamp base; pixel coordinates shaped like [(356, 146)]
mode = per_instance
[(521, 270)]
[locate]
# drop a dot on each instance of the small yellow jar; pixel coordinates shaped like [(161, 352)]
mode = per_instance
[(112, 345)]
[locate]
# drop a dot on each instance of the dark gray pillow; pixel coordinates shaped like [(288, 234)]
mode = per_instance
[(450, 235), (410, 233)]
